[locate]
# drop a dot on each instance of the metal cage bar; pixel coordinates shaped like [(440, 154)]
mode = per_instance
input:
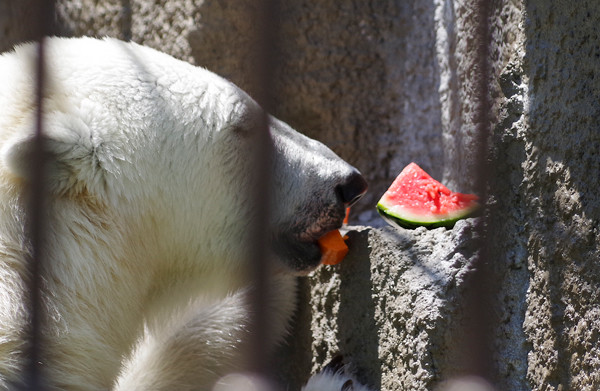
[(36, 218)]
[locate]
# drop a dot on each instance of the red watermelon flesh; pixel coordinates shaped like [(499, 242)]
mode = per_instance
[(416, 199)]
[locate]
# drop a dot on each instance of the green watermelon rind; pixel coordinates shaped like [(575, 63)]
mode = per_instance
[(413, 220)]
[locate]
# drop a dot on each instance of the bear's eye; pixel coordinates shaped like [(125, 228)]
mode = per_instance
[(249, 126), (242, 130), (348, 386)]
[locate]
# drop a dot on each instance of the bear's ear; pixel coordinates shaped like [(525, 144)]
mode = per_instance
[(69, 166), (17, 156)]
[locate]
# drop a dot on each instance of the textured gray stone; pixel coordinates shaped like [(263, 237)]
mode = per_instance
[(559, 190), (389, 305)]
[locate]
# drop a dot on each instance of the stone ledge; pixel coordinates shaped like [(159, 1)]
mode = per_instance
[(389, 306)]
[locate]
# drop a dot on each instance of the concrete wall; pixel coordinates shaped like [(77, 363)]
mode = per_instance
[(559, 144), (386, 83)]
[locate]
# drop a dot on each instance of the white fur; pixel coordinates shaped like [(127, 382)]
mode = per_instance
[(329, 381), (147, 216), (335, 376)]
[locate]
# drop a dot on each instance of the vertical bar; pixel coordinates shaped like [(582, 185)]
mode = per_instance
[(265, 15), (126, 20), (33, 377), (479, 304), (35, 233)]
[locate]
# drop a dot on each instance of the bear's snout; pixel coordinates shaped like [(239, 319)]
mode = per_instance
[(351, 189)]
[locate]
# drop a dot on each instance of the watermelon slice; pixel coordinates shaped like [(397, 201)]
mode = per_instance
[(416, 199)]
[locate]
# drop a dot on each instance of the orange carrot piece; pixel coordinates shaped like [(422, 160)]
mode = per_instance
[(333, 248), (347, 216)]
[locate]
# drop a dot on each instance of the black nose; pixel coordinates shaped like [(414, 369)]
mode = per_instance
[(354, 187)]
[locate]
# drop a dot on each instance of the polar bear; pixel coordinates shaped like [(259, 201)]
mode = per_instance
[(148, 216)]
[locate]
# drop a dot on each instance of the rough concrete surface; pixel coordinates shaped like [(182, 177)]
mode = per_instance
[(389, 306), (561, 178), (389, 82)]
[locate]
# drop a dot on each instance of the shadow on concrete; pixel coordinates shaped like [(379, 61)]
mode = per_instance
[(562, 209), (361, 350)]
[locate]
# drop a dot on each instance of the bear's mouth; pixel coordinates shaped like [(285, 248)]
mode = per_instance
[(297, 245)]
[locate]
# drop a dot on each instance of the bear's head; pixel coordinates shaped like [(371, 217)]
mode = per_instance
[(166, 150)]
